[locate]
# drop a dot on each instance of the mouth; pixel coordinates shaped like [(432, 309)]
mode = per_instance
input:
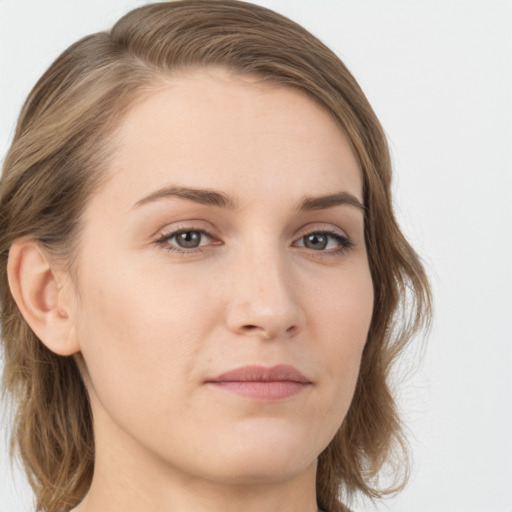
[(262, 383)]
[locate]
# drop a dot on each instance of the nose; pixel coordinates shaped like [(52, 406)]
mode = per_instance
[(264, 301)]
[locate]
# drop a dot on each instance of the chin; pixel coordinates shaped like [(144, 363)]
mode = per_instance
[(269, 457)]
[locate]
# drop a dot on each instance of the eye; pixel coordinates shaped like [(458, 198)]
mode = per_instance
[(185, 240), (325, 241)]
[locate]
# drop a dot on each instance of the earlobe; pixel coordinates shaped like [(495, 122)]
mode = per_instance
[(38, 290)]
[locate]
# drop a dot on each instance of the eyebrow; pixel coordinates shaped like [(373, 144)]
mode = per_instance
[(211, 197), (322, 202), (204, 196)]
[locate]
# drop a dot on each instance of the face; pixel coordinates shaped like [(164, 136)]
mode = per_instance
[(223, 283)]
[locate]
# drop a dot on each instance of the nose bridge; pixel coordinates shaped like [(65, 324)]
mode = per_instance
[(264, 300)]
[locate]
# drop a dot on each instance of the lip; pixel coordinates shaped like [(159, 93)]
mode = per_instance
[(261, 383)]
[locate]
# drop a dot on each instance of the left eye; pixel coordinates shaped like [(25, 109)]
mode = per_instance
[(320, 241)]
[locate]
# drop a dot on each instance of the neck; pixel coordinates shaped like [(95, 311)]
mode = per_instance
[(129, 492), (198, 498)]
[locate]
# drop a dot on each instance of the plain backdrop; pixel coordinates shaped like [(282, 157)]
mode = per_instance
[(439, 76)]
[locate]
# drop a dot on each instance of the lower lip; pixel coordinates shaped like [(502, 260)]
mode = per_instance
[(263, 391)]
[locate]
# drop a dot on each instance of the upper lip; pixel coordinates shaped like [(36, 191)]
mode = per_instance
[(257, 373)]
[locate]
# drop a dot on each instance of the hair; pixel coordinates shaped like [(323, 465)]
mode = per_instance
[(61, 148)]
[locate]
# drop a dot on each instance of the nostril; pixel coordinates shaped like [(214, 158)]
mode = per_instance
[(267, 333), (253, 330)]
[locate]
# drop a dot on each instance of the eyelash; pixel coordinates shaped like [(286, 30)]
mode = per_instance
[(345, 243)]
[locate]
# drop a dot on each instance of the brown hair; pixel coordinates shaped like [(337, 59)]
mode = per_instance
[(60, 148)]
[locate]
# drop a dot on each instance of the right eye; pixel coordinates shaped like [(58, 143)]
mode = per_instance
[(185, 240)]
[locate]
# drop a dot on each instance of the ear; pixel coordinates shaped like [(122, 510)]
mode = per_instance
[(44, 296)]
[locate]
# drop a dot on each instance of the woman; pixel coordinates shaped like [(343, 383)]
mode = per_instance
[(204, 286)]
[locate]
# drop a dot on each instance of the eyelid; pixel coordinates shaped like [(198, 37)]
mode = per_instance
[(319, 227)]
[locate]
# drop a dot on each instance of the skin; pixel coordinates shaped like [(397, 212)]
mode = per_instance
[(152, 325)]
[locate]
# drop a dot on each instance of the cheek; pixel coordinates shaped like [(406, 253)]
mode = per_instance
[(342, 317), (139, 334), (345, 306)]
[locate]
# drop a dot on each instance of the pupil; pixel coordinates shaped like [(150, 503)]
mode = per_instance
[(315, 241), (189, 239)]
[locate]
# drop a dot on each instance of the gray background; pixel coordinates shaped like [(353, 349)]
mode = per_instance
[(439, 75)]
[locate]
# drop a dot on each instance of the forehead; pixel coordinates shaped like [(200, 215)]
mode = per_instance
[(209, 128)]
